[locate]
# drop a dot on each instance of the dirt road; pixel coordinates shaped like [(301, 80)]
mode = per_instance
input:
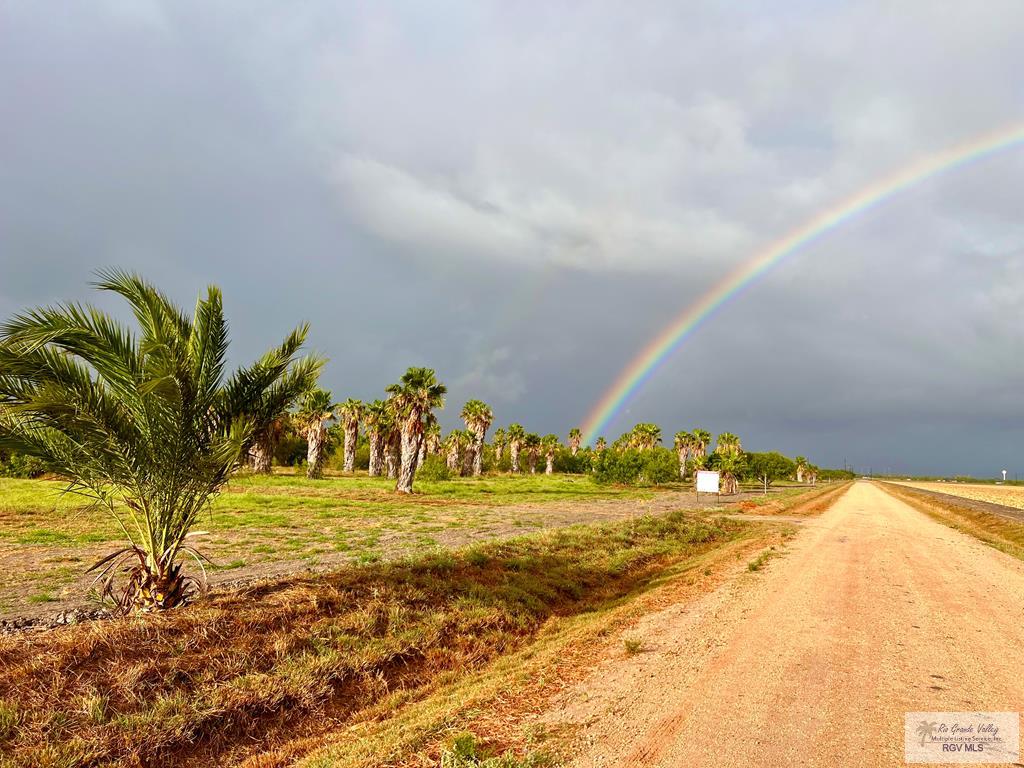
[(874, 610)]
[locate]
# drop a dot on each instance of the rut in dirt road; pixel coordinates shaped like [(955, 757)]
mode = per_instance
[(874, 611)]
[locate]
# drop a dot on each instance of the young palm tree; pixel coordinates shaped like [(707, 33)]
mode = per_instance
[(575, 440), (500, 440), (516, 437), (478, 417), (377, 421), (144, 423), (683, 444), (415, 396), (315, 411), (351, 411), (550, 445), (267, 405), (601, 445), (532, 444)]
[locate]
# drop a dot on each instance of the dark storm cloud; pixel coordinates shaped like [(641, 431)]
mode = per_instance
[(521, 196)]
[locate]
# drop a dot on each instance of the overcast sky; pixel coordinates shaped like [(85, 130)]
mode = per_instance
[(521, 195)]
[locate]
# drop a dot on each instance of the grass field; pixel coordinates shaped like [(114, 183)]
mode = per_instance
[(49, 538), (271, 525)]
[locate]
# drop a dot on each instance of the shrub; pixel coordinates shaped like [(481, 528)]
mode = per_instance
[(653, 466), (290, 450), (20, 465), (434, 468), (572, 465), (465, 752)]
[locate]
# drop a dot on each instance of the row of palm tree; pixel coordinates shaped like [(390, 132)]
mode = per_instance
[(397, 428)]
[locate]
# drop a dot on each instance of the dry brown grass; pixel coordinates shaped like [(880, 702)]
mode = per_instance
[(241, 673), (1006, 495)]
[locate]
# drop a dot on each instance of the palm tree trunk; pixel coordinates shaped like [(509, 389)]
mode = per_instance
[(681, 453), (410, 453), (158, 590), (513, 451), (314, 452), (376, 453), (478, 454), (452, 457), (261, 454), (550, 468), (393, 455), (351, 438)]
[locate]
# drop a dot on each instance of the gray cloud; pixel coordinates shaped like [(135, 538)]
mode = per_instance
[(522, 196)]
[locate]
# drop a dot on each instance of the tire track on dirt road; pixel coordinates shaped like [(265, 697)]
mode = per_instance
[(876, 610)]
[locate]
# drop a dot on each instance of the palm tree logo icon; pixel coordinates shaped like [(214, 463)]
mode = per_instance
[(925, 729)]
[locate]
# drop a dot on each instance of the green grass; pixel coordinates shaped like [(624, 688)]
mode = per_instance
[(260, 519), (761, 560)]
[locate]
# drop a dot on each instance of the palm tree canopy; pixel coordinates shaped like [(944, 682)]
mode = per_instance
[(683, 439), (516, 432), (375, 414), (417, 392), (701, 437), (477, 412), (550, 442), (351, 409), (643, 435), (316, 408), (728, 443)]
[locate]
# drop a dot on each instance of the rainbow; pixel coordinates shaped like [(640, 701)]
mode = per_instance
[(643, 366)]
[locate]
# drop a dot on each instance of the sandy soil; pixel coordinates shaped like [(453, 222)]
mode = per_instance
[(875, 610)]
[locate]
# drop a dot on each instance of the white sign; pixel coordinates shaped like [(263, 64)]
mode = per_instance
[(707, 482), (962, 737)]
